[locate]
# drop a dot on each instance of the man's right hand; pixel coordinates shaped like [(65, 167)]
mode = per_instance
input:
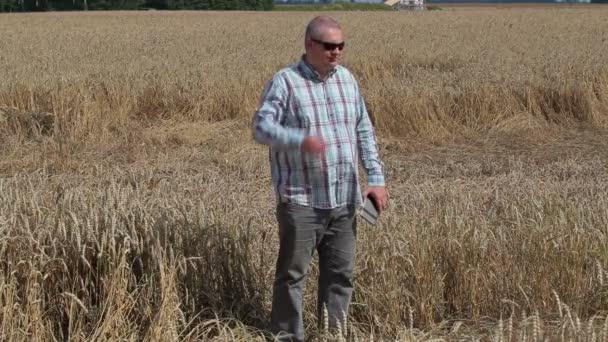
[(313, 144)]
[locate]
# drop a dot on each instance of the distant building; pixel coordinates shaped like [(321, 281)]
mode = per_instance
[(406, 4)]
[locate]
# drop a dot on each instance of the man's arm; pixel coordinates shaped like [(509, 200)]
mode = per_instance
[(368, 150), (272, 108), (366, 142)]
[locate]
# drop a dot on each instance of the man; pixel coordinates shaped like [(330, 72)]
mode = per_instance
[(314, 119)]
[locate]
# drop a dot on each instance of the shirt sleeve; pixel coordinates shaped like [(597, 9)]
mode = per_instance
[(266, 124), (366, 142)]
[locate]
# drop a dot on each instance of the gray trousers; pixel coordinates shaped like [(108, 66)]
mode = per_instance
[(332, 232)]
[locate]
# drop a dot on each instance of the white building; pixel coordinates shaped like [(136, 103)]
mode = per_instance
[(406, 4)]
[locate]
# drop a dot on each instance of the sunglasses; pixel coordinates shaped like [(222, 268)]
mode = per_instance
[(329, 46)]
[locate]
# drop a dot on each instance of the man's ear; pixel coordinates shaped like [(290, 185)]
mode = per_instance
[(307, 43)]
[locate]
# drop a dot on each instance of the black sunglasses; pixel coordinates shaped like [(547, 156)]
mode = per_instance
[(329, 46)]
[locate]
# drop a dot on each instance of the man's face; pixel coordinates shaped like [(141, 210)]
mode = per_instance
[(325, 50)]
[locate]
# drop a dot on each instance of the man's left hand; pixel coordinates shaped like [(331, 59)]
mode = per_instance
[(379, 194)]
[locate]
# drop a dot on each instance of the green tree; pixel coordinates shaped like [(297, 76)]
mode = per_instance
[(63, 5), (9, 5)]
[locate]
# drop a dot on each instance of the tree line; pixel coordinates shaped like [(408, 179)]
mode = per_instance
[(76, 5)]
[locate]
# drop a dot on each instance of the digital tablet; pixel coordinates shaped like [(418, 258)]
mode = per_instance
[(369, 211)]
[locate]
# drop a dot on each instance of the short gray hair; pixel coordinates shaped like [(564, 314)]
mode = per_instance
[(317, 24)]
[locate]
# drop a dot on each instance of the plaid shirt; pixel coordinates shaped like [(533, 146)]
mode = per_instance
[(296, 103)]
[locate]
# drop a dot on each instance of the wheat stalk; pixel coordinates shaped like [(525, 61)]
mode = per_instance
[(76, 300)]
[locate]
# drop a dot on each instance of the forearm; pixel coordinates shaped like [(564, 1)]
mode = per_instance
[(268, 132), (266, 123), (371, 160), (368, 148)]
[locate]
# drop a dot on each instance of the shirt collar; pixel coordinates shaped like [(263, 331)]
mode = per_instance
[(309, 71)]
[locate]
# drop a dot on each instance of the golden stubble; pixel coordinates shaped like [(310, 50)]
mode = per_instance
[(134, 205)]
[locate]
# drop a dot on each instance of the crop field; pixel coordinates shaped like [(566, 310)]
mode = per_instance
[(135, 206)]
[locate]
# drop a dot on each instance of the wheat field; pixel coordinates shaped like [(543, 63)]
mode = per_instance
[(135, 206)]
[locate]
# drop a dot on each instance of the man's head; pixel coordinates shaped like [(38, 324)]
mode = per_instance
[(324, 42)]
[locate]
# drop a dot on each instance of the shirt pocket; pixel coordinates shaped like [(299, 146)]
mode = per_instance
[(297, 116), (347, 111)]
